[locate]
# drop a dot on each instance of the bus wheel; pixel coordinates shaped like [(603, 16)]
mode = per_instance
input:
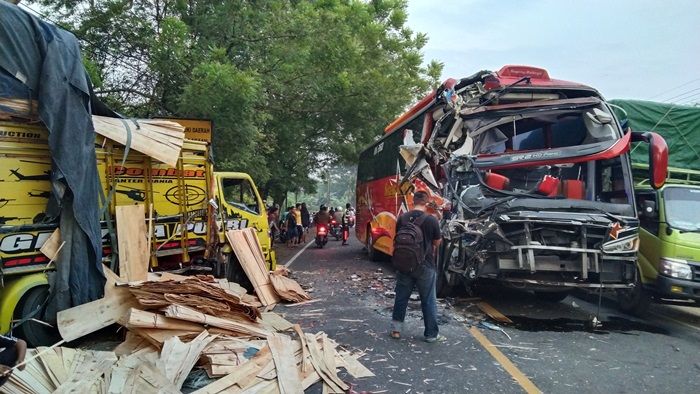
[(36, 334), (371, 252), (636, 300)]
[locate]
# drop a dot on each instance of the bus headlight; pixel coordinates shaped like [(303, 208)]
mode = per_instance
[(675, 268), (622, 245)]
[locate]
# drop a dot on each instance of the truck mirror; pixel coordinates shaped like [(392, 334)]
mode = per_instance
[(649, 209), (658, 157)]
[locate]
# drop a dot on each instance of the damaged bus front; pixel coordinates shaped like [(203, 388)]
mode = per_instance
[(535, 179)]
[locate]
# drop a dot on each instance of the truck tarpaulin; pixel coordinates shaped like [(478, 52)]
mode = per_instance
[(678, 124), (47, 61)]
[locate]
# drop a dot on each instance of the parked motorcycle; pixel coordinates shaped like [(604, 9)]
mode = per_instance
[(321, 235)]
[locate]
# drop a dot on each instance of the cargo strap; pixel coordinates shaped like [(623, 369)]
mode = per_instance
[(106, 201)]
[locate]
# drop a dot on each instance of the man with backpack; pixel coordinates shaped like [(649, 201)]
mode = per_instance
[(415, 247)]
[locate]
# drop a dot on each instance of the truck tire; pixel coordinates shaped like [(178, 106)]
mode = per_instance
[(551, 296), (635, 301), (235, 273), (36, 334)]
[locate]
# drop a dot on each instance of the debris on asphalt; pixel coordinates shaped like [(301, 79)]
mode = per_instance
[(494, 328), (180, 324)]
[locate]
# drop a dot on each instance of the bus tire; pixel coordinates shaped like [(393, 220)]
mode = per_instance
[(372, 253), (635, 301), (36, 334)]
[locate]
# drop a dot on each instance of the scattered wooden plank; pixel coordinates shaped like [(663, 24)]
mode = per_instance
[(178, 358), (303, 303), (493, 313), (143, 319), (275, 321), (354, 367), (249, 368), (192, 315), (81, 320), (288, 377), (288, 289), (53, 245), (253, 263), (131, 239), (318, 361), (304, 347)]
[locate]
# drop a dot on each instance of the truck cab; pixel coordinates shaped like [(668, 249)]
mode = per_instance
[(669, 252)]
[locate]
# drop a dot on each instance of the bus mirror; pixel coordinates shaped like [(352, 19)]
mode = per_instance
[(658, 157)]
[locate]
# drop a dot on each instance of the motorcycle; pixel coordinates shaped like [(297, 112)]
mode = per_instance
[(335, 229), (321, 235)]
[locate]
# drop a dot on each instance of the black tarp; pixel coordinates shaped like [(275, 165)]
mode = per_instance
[(47, 60)]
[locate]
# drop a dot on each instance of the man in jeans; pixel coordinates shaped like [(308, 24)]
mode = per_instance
[(423, 277)]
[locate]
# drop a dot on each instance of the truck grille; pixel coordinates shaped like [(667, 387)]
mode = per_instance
[(696, 272)]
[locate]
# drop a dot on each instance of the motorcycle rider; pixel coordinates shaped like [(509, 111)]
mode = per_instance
[(322, 216)]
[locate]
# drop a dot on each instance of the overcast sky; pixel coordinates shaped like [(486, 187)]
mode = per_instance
[(625, 48)]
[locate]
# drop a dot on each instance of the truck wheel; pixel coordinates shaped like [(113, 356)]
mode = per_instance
[(36, 334), (235, 273), (635, 301), (551, 296)]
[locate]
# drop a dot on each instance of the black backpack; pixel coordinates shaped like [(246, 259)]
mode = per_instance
[(409, 252)]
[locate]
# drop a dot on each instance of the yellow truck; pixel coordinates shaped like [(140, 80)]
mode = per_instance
[(188, 196)]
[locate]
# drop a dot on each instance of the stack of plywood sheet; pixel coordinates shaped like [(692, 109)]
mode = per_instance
[(157, 138), (176, 324)]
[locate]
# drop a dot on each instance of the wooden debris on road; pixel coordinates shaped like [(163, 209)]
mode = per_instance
[(177, 323), (493, 313)]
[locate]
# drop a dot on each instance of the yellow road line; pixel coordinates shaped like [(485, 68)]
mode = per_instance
[(519, 377)]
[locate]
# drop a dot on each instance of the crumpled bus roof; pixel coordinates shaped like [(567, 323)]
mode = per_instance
[(678, 124)]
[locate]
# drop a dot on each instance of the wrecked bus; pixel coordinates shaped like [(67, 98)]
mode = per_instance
[(530, 176)]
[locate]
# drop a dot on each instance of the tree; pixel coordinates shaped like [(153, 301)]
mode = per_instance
[(291, 85)]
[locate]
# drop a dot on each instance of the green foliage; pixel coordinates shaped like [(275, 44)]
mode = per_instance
[(293, 86)]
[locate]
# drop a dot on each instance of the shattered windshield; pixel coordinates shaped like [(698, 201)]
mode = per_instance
[(682, 208), (541, 129)]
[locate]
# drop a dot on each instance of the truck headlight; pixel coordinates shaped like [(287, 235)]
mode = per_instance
[(622, 245), (675, 268)]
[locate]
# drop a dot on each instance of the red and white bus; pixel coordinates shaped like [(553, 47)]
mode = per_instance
[(530, 176)]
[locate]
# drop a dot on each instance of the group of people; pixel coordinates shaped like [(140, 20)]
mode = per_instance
[(291, 226)]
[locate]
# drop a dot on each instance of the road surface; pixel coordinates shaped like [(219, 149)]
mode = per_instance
[(549, 347)]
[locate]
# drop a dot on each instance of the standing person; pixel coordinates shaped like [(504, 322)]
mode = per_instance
[(291, 223), (272, 220), (300, 226), (305, 218), (423, 276), (12, 352)]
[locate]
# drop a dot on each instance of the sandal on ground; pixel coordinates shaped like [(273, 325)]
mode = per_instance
[(395, 334)]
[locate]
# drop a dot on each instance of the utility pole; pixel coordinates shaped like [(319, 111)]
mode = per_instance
[(328, 176)]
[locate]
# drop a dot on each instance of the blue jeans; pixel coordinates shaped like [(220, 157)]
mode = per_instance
[(424, 280)]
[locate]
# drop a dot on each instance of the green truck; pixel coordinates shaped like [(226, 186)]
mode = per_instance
[(669, 252)]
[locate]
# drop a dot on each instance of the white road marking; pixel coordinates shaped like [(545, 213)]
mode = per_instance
[(298, 254)]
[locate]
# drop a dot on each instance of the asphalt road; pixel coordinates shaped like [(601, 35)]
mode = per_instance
[(552, 345)]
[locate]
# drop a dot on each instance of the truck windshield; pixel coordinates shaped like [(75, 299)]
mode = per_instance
[(239, 193), (682, 208)]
